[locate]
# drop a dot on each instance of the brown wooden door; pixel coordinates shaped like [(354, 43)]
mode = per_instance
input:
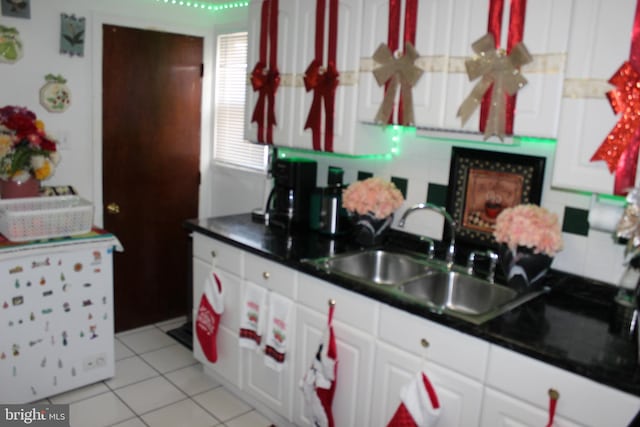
[(151, 148)]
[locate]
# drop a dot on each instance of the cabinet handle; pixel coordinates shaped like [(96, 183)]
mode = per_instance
[(424, 343), (265, 274), (213, 254)]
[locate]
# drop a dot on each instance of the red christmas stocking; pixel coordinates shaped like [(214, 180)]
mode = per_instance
[(208, 320), (419, 406)]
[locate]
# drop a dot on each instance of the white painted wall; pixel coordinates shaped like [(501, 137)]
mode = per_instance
[(79, 128)]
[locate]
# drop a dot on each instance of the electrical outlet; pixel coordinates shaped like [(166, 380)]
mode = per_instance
[(94, 361)]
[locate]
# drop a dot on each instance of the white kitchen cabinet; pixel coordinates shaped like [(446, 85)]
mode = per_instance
[(459, 396), (599, 44), (228, 266), (354, 324), (272, 388), (287, 39), (296, 41), (517, 389), (444, 36), (347, 60), (379, 351), (455, 364), (500, 409)]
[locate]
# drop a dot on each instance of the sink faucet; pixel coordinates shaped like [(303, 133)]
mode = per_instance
[(448, 218)]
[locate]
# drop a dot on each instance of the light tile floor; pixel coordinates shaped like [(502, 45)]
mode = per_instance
[(158, 383)]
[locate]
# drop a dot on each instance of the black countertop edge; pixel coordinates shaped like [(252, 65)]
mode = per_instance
[(567, 327)]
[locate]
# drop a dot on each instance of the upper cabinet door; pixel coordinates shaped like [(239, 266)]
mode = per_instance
[(287, 35), (599, 44), (445, 32), (347, 61), (546, 36)]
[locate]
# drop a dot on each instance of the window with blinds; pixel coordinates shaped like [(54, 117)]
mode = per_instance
[(230, 147)]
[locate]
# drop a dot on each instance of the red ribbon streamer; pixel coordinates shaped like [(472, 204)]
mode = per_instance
[(323, 81), (620, 148), (393, 35), (265, 80), (514, 36), (553, 402)]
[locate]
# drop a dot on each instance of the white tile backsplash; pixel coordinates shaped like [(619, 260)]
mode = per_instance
[(423, 160)]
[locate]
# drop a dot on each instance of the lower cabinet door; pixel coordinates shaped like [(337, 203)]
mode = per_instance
[(227, 365), (459, 396), (502, 410), (271, 387), (352, 400)]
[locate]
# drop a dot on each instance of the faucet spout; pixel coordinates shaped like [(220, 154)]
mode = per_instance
[(451, 250)]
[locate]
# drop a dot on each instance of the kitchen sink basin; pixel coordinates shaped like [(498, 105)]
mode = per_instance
[(464, 296), (442, 290), (376, 266)]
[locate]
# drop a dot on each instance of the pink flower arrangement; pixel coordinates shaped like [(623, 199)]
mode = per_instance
[(372, 196), (530, 226)]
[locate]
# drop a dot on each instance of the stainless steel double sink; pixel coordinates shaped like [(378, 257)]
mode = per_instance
[(443, 290)]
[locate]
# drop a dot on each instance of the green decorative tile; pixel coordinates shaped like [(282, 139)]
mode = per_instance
[(437, 194), (364, 175), (401, 184), (575, 221)]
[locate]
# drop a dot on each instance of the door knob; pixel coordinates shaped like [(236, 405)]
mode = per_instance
[(113, 208)]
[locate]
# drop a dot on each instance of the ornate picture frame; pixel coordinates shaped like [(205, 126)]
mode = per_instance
[(483, 183)]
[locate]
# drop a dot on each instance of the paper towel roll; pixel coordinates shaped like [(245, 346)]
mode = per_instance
[(604, 217)]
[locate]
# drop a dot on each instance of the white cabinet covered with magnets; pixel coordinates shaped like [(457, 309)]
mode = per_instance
[(56, 320)]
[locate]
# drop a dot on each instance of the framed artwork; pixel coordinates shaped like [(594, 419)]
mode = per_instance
[(483, 183), (16, 8), (72, 32)]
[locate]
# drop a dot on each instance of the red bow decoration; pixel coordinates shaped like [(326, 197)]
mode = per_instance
[(624, 136), (323, 83), (265, 82)]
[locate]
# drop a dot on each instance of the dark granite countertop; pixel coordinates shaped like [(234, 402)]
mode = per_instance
[(567, 327)]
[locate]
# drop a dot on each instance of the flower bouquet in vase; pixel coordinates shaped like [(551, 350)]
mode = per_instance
[(27, 154), (529, 237), (371, 203)]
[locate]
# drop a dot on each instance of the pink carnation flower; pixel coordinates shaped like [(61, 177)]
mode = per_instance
[(529, 226), (373, 195)]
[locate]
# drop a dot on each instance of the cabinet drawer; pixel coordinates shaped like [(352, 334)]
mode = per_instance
[(226, 256), (271, 275), (581, 400), (448, 347), (352, 309)]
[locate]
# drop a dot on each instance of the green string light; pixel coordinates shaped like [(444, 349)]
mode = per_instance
[(205, 5)]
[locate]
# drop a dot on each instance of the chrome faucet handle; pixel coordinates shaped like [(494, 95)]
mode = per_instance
[(432, 246), (493, 260)]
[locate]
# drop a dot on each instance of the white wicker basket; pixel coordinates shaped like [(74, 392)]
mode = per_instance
[(35, 218)]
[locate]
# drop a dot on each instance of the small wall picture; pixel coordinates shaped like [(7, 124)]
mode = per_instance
[(72, 32), (16, 8), (10, 45), (483, 183)]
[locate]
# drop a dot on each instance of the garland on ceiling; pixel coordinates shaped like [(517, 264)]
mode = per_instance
[(206, 5)]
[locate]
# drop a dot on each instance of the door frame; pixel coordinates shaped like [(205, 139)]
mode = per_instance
[(206, 107)]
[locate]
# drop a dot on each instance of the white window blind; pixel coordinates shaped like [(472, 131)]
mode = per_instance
[(231, 79)]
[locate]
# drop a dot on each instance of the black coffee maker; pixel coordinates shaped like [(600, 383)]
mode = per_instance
[(289, 202)]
